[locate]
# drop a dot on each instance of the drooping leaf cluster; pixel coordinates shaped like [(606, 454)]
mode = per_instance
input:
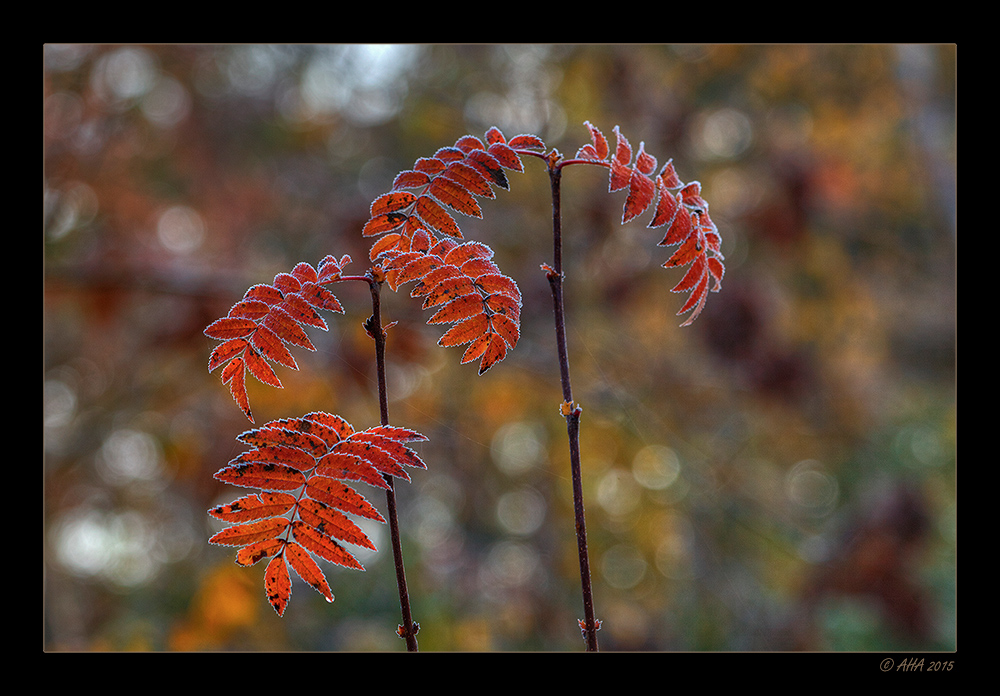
[(260, 327), (418, 242), (679, 207), (300, 466)]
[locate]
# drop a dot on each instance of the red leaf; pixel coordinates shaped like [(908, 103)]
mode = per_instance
[(645, 162), (380, 224), (669, 176), (691, 195), (696, 300), (477, 348), (235, 376), (268, 477), (489, 166), (506, 328), (467, 251), (305, 273), (254, 507), (287, 329), (396, 449), (466, 331), (336, 494), (243, 534), (640, 196), (460, 308), (473, 175), (376, 457), (504, 305), (418, 268), (694, 274), (619, 177), (429, 165), (506, 156), (411, 179), (396, 433), (336, 424), (260, 369), (392, 202), (448, 290), (249, 309), (321, 298), (494, 135), (449, 154), (224, 351), (468, 143), (386, 243), (299, 309), (268, 343), (496, 283), (230, 327), (305, 567), (494, 353), (666, 208), (286, 283), (717, 270), (253, 553), (278, 454), (680, 229), (347, 467), (277, 584), (686, 253), (430, 282), (478, 267), (526, 142), (435, 217), (333, 523), (286, 432), (323, 546), (600, 143)]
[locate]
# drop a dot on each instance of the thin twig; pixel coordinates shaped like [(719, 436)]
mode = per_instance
[(408, 629), (570, 409)]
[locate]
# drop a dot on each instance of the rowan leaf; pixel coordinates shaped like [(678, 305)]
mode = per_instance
[(270, 345), (505, 327), (334, 493), (411, 179), (392, 202), (254, 507), (330, 521), (437, 218), (348, 467), (313, 455), (465, 331), (460, 308), (277, 584), (323, 546), (260, 369), (254, 553), (243, 534), (454, 196), (307, 569), (474, 174), (496, 350), (230, 327), (225, 352), (268, 317)]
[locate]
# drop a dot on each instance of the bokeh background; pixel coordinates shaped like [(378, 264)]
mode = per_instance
[(780, 476)]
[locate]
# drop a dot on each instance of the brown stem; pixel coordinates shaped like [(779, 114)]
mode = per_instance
[(408, 629), (570, 409)]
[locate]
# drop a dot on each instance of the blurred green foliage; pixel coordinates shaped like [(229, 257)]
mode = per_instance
[(780, 476)]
